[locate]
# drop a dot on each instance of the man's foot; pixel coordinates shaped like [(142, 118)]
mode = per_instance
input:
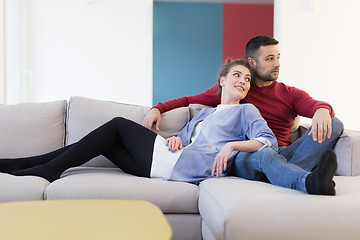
[(320, 180)]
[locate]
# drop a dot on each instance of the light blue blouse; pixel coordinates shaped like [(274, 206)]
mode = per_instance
[(238, 123)]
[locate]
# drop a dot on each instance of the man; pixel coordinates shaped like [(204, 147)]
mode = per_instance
[(279, 105)]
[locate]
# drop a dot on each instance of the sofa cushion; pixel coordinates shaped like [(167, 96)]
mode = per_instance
[(195, 108), (234, 208), (84, 115), (26, 188), (31, 128), (112, 183)]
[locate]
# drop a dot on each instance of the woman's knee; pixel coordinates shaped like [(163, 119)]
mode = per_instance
[(115, 123), (117, 120)]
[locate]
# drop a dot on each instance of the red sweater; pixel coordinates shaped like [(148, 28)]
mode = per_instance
[(278, 104)]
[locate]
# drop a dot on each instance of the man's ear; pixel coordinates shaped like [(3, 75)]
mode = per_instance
[(252, 62)]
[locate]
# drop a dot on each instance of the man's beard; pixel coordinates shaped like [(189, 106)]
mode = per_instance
[(267, 78)]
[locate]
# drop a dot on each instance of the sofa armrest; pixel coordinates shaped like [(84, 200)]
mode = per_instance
[(347, 150)]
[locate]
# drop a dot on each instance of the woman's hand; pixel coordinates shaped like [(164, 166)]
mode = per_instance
[(174, 143), (220, 162)]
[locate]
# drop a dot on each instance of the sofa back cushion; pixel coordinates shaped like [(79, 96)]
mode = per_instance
[(85, 114), (31, 128)]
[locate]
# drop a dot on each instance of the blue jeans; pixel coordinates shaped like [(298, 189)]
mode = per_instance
[(289, 166)]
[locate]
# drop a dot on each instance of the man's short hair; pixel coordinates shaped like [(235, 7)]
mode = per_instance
[(256, 42)]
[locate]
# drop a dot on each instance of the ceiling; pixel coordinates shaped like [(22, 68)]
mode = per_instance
[(223, 1)]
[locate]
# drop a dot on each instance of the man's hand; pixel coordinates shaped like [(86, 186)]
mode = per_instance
[(321, 125), (220, 162), (174, 143), (153, 116)]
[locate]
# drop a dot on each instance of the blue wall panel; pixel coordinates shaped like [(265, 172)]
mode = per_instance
[(187, 50)]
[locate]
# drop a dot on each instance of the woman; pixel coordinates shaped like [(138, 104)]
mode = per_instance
[(205, 147)]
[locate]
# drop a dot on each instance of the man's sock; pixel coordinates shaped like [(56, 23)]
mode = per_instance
[(320, 180)]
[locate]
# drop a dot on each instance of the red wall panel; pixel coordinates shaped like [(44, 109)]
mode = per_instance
[(242, 22)]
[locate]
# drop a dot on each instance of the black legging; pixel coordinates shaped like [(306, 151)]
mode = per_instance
[(125, 143)]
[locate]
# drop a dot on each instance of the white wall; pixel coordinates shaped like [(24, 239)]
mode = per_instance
[(101, 49), (2, 54), (319, 46), (15, 57)]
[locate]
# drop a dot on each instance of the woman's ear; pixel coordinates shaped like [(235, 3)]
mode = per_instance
[(222, 79)]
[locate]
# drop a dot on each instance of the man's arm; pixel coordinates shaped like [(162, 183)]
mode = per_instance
[(153, 116), (210, 97), (320, 112)]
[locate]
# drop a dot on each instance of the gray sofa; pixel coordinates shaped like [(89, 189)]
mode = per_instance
[(224, 208)]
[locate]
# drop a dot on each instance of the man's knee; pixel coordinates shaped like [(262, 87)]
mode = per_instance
[(252, 159), (337, 127)]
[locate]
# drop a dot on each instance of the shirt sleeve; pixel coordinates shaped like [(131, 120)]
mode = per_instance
[(259, 130), (306, 106), (210, 97), (264, 141)]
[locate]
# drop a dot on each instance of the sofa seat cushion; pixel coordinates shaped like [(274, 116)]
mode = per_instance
[(26, 188), (235, 208), (112, 183)]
